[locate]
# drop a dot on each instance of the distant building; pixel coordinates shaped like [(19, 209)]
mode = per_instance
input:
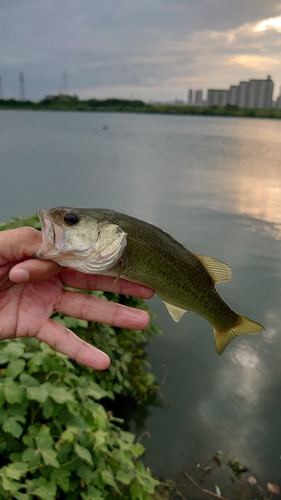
[(217, 97), (278, 102), (195, 98), (260, 94), (198, 97), (233, 95), (254, 94), (242, 95)]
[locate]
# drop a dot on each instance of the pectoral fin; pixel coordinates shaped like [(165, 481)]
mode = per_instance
[(218, 270), (174, 311)]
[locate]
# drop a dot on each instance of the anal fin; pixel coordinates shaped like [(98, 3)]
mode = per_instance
[(176, 312)]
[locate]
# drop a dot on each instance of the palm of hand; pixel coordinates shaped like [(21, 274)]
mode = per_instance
[(25, 309)]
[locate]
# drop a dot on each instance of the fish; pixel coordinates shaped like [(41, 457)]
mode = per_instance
[(106, 242)]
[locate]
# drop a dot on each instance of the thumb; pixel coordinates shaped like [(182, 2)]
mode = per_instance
[(19, 244)]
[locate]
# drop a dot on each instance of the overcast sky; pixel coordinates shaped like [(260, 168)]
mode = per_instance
[(141, 49)]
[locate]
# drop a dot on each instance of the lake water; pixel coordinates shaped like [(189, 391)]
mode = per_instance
[(215, 185)]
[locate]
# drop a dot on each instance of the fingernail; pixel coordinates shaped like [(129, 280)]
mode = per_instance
[(18, 275)]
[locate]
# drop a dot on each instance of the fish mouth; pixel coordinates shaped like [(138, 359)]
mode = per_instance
[(51, 236)]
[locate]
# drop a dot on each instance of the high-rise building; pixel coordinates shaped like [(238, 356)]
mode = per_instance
[(254, 94), (22, 87), (217, 97), (242, 95), (260, 94), (198, 97), (233, 95), (195, 98)]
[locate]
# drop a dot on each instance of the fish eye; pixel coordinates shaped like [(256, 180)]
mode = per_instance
[(71, 219)]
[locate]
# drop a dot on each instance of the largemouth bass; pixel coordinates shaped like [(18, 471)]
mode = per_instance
[(101, 241)]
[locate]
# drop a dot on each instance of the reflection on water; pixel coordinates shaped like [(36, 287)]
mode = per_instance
[(215, 185), (259, 197)]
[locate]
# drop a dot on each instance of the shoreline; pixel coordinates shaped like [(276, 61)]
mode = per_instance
[(69, 103)]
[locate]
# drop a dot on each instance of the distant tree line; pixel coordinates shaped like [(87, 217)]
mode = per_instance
[(64, 102)]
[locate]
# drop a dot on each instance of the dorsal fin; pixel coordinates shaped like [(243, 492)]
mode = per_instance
[(175, 311), (218, 270)]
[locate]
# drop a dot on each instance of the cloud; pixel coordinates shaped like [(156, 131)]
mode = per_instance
[(273, 23), (154, 50), (254, 62)]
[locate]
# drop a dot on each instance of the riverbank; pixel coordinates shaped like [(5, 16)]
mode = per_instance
[(72, 103)]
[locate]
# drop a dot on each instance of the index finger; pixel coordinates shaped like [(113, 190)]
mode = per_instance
[(83, 281)]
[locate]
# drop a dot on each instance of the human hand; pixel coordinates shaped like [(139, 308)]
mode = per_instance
[(31, 290)]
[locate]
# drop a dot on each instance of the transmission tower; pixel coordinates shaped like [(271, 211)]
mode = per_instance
[(64, 82), (22, 89)]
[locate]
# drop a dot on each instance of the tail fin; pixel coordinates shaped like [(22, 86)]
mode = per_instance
[(245, 325)]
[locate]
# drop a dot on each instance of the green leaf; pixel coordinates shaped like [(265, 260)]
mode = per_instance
[(29, 441), (19, 410), (46, 492), (32, 456), (137, 449), (85, 473), (3, 447), (44, 439), (148, 483), (60, 395), (83, 453), (64, 451), (13, 473), (39, 393), (37, 359), (93, 494), (21, 496), (127, 436), (68, 435), (71, 323), (14, 393), (8, 485), (21, 466), (15, 367), (13, 427), (48, 408), (140, 467), (124, 458), (12, 350), (61, 478), (3, 415), (15, 457), (4, 358), (101, 438), (50, 457), (17, 417), (28, 381), (2, 395), (137, 492), (124, 477), (108, 478), (95, 391)]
